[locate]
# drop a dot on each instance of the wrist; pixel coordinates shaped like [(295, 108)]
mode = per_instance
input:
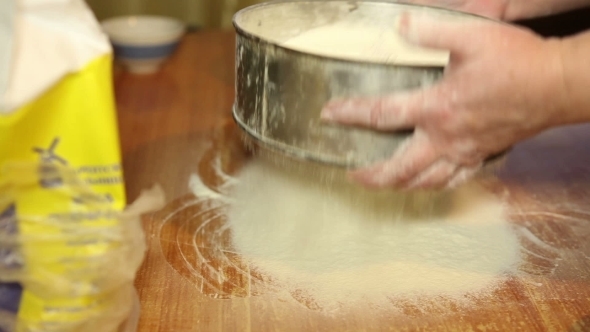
[(520, 10), (574, 79), (561, 109), (526, 9)]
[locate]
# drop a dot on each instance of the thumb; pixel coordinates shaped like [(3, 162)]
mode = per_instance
[(438, 31)]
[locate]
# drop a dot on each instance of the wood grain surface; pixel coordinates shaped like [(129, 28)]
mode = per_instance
[(174, 122)]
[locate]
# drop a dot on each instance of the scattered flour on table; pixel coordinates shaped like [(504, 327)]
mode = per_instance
[(364, 42), (312, 233)]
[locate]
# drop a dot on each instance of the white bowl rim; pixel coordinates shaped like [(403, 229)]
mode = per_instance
[(114, 27)]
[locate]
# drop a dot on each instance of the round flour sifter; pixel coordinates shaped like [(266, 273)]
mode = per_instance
[(294, 56)]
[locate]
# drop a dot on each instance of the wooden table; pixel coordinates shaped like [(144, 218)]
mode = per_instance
[(168, 122)]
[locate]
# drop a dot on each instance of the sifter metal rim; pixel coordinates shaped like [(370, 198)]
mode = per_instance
[(301, 154), (289, 150)]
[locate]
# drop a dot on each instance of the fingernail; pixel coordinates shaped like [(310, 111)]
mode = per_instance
[(329, 110), (332, 110), (403, 24), (411, 24), (417, 183), (356, 175), (374, 180), (363, 178), (326, 114), (335, 110)]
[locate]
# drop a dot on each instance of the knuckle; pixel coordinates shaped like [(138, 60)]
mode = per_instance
[(448, 118), (440, 184), (465, 153), (404, 173), (407, 171), (446, 115)]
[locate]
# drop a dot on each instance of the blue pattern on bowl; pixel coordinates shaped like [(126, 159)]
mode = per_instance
[(144, 52)]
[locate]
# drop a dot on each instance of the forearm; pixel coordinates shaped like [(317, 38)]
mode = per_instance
[(575, 59), (523, 9)]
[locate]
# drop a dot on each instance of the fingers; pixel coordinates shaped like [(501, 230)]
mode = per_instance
[(437, 176), (382, 113), (443, 174), (416, 165), (461, 176), (398, 111), (441, 32), (414, 156)]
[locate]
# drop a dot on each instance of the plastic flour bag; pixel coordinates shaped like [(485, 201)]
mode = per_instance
[(69, 250)]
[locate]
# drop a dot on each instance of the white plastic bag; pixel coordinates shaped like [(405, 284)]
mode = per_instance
[(68, 251)]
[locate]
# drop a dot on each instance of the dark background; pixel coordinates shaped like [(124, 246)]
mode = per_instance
[(561, 25)]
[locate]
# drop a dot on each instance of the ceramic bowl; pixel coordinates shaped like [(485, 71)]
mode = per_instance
[(142, 43)]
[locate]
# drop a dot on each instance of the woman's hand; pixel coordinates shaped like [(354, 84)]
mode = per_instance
[(503, 84), (507, 10)]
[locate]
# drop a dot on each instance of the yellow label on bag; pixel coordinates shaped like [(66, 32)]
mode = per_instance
[(68, 197), (74, 124)]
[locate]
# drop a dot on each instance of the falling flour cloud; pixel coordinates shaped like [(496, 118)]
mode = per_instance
[(312, 233)]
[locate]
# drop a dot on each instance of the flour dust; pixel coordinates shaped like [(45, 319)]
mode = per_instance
[(312, 232)]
